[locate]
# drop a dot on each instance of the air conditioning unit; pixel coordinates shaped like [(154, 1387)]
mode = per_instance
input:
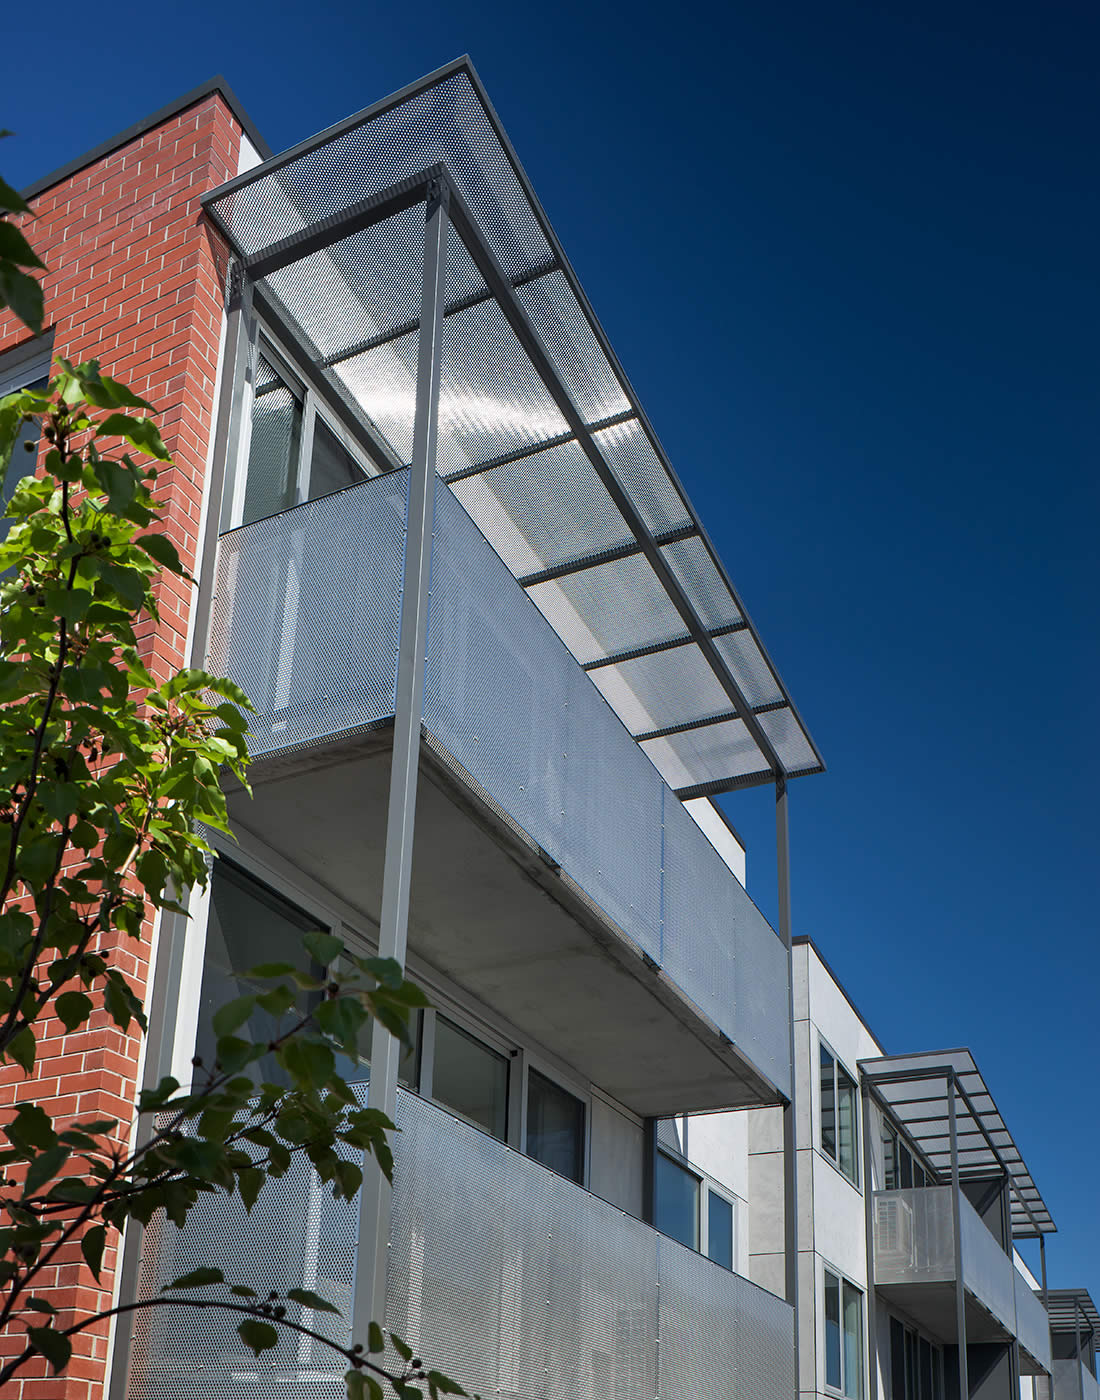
[(894, 1236)]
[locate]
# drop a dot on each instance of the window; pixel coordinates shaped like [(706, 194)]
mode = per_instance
[(25, 367), (676, 1207), (839, 1133), (916, 1365), (555, 1127), (248, 924), (719, 1229), (294, 452), (843, 1336), (470, 1078), (901, 1169)]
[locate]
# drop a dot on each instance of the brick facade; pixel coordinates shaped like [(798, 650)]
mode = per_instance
[(134, 281)]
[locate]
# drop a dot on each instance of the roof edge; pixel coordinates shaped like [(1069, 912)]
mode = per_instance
[(216, 84), (803, 940)]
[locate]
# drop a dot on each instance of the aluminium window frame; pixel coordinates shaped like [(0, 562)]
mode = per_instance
[(708, 1186), (856, 1181), (844, 1281), (888, 1123)]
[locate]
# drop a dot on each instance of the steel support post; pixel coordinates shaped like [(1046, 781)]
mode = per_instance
[(1077, 1349), (869, 1238), (790, 1127), (375, 1195), (956, 1221)]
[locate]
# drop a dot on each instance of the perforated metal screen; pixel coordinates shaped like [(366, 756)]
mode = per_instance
[(524, 1285), (557, 465)]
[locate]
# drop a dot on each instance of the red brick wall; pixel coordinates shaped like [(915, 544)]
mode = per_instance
[(134, 282)]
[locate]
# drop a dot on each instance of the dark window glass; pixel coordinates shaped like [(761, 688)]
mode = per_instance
[(853, 1342), (273, 448), (905, 1166), (248, 925), (897, 1360), (470, 1078), (937, 1374), (925, 1370), (555, 1127), (832, 1331), (677, 1205), (911, 1364), (847, 1137), (720, 1229), (919, 1176), (889, 1158), (828, 1104), (331, 465)]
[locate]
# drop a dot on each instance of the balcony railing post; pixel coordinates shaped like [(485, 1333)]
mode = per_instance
[(956, 1220), (375, 1196), (869, 1235), (790, 1122)]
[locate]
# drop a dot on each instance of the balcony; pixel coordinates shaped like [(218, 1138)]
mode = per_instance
[(915, 1268), (508, 1277), (647, 967), (1074, 1381)]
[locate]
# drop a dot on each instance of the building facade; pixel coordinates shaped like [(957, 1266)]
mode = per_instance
[(499, 674)]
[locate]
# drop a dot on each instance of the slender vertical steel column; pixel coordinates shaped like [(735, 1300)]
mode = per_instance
[(956, 1220), (375, 1196), (869, 1237), (1077, 1349), (790, 1125)]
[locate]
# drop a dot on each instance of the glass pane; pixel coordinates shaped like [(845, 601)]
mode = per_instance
[(273, 449), (832, 1330), (555, 1127), (720, 1229), (22, 463), (847, 1139), (897, 1360), (905, 1164), (937, 1374), (853, 1342), (911, 1365), (331, 465), (248, 925), (889, 1159), (677, 1205), (828, 1104), (925, 1370), (470, 1078), (919, 1176)]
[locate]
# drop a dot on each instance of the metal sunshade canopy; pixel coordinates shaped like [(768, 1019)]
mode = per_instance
[(1070, 1309), (542, 438), (915, 1088)]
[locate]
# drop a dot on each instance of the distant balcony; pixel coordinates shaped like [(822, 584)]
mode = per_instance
[(510, 1278), (649, 968), (915, 1267), (1073, 1382)]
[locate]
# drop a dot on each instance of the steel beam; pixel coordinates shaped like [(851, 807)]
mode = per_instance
[(375, 1194), (956, 1220), (595, 557), (869, 1240), (683, 640), (532, 449), (790, 1122)]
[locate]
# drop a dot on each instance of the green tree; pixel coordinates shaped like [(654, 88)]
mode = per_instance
[(106, 777)]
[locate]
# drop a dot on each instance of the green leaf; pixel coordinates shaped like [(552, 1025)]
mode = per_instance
[(197, 1278), (376, 1342), (438, 1381), (311, 1300), (402, 1347), (56, 1348), (91, 1246), (23, 294), (22, 1048), (72, 1009), (250, 1182), (40, 1305), (32, 1126), (240, 1290), (10, 201), (258, 1336), (161, 548), (45, 1167), (14, 248), (310, 1060), (233, 1014), (139, 432), (324, 948)]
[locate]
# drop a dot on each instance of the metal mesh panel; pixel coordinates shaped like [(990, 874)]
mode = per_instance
[(573, 347), (609, 608), (914, 1236), (307, 613), (988, 1272), (508, 702), (522, 1284), (296, 1236), (1032, 1323), (751, 672), (670, 687), (684, 759), (698, 574), (630, 455), (788, 740), (382, 382), (543, 509), (447, 123), (719, 1340), (721, 950)]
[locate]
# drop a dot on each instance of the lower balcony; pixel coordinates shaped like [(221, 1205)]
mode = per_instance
[(915, 1269), (510, 1278), (1074, 1381)]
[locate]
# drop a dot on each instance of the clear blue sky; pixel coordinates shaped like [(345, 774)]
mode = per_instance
[(849, 258)]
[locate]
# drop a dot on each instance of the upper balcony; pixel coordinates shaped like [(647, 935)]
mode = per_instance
[(1075, 1337), (589, 667)]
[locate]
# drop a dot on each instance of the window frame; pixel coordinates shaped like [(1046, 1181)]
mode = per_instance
[(912, 1382), (708, 1186), (843, 1283), (530, 1062), (689, 1169), (902, 1142), (25, 366), (856, 1179), (264, 342)]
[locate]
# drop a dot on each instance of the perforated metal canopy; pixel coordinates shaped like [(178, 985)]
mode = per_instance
[(916, 1089), (1070, 1309), (542, 437)]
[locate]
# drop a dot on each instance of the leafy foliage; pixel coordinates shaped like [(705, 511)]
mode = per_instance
[(107, 777), (19, 290)]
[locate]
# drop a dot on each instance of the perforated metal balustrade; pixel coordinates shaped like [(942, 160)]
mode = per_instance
[(541, 437)]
